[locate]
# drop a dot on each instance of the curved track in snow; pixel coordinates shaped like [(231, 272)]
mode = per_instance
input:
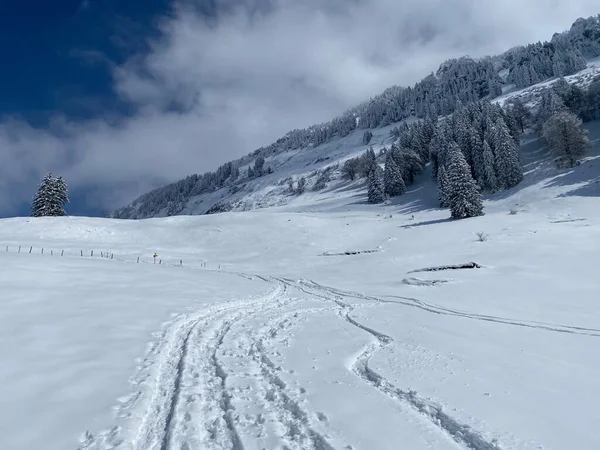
[(209, 381), (459, 432)]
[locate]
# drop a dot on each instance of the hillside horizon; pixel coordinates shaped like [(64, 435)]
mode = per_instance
[(459, 81)]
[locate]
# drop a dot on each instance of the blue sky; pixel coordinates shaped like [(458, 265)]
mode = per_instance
[(57, 52), (58, 57), (122, 96)]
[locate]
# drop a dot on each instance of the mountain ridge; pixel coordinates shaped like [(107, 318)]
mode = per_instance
[(458, 81)]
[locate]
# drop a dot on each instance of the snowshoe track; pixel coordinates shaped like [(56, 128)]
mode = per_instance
[(181, 375)]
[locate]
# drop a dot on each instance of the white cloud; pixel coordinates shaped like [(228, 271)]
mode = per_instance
[(213, 90)]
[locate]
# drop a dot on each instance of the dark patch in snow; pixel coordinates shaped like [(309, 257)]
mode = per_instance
[(471, 265), (568, 220), (349, 253), (219, 208)]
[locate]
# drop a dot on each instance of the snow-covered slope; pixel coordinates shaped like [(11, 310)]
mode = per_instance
[(295, 328), (312, 162)]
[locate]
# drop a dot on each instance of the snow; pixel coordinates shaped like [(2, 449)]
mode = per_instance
[(311, 325)]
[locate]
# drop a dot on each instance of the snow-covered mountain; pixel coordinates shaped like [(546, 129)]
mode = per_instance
[(317, 154), (287, 328)]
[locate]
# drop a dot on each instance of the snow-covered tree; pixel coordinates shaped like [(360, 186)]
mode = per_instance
[(51, 197), (392, 177), (301, 186), (443, 187), (509, 171), (550, 105), (367, 136), (367, 162), (520, 112), (409, 163), (489, 181), (350, 169), (566, 137), (376, 191), (259, 166), (463, 194)]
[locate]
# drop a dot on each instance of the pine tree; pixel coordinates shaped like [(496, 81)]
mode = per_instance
[(463, 194), (509, 171), (392, 177), (566, 138), (442, 182), (489, 182), (376, 191), (51, 197)]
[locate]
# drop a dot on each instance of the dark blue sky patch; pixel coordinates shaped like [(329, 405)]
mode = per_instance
[(58, 56)]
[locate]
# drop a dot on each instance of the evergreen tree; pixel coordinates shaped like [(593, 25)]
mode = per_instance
[(392, 177), (51, 197), (259, 166), (509, 171), (368, 161), (489, 181), (250, 172), (463, 194), (367, 136), (376, 191), (442, 182), (567, 139)]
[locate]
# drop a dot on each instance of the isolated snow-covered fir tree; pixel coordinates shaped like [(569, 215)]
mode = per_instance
[(463, 195), (392, 177), (51, 197), (376, 191), (567, 139)]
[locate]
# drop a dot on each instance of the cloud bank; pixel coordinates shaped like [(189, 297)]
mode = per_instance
[(222, 81)]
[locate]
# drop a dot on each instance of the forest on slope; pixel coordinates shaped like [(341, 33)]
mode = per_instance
[(462, 85)]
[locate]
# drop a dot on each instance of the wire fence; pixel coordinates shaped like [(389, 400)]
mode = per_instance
[(105, 254)]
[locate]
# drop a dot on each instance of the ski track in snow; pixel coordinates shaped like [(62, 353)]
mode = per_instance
[(280, 407), (183, 401), (461, 433), (436, 309), (182, 375)]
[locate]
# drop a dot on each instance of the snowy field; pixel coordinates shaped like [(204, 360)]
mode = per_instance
[(310, 326)]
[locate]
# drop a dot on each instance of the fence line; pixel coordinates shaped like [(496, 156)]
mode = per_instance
[(110, 256)]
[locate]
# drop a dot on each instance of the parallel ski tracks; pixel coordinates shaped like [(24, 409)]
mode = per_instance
[(182, 401)]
